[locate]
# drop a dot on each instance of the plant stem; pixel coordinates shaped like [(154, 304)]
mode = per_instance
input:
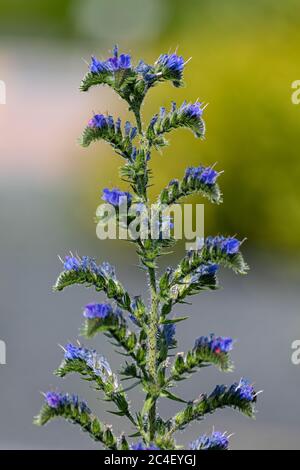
[(137, 113), (152, 331), (152, 347)]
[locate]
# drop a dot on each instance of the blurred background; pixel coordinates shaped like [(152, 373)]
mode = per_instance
[(245, 56)]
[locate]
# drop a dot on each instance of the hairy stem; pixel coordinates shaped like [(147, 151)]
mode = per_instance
[(152, 330), (152, 347)]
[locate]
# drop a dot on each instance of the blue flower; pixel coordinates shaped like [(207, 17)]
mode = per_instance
[(169, 331), (76, 352), (71, 263), (192, 110), (216, 344), (96, 66), (228, 246), (206, 176), (115, 197), (171, 66), (207, 269), (153, 120), (99, 121), (243, 390), (133, 133), (113, 64), (53, 399), (209, 176), (217, 441), (141, 446), (231, 246), (97, 311)]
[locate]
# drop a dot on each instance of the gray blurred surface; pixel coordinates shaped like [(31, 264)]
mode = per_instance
[(261, 310)]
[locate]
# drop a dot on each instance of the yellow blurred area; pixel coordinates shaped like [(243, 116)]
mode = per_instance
[(244, 60)]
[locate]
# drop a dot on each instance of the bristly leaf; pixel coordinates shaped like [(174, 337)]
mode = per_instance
[(198, 180), (78, 413), (186, 116)]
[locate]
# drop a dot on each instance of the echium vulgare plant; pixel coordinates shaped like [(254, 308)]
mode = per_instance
[(148, 347)]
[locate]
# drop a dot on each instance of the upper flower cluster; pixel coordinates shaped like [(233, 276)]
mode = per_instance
[(112, 64)]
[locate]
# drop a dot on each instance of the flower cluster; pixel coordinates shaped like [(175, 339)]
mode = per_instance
[(114, 64), (115, 197), (73, 263), (188, 115), (100, 121), (94, 361), (228, 246), (206, 175), (242, 391), (56, 399), (217, 441), (170, 66), (102, 311), (216, 344)]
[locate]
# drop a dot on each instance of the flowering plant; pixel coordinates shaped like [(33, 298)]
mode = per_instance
[(148, 346)]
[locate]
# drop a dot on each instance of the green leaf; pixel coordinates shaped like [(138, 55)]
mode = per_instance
[(171, 396)]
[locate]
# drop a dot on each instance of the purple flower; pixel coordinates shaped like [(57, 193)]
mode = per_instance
[(193, 111), (231, 246), (243, 390), (99, 121), (117, 63), (228, 246), (71, 263), (208, 176), (53, 399), (76, 352), (171, 66), (115, 197), (216, 344), (207, 269), (141, 446), (133, 133), (97, 311), (169, 331), (153, 120), (113, 64), (217, 441), (96, 66)]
